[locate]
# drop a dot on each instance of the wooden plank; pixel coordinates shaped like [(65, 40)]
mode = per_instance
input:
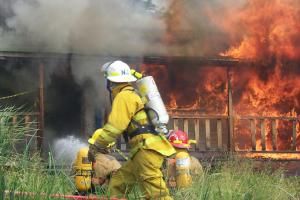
[(219, 134), (294, 137), (14, 120), (269, 118), (253, 134), (27, 125), (192, 115), (175, 124), (207, 133), (197, 133), (272, 152), (27, 120), (41, 116), (231, 142), (186, 126), (263, 135), (274, 135)]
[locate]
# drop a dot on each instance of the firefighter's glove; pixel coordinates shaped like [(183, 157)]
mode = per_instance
[(91, 153), (94, 149)]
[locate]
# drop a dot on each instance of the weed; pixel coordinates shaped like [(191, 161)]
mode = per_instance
[(233, 179)]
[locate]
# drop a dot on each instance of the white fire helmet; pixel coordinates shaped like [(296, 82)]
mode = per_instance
[(118, 72)]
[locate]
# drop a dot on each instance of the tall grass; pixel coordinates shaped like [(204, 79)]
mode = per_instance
[(20, 172), (233, 179), (239, 180), (9, 132)]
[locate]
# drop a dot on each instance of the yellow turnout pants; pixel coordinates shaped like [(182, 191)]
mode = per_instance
[(142, 170)]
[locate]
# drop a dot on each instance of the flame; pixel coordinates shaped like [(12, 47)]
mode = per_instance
[(271, 88), (172, 104), (191, 88), (275, 96), (276, 156), (267, 33), (270, 28)]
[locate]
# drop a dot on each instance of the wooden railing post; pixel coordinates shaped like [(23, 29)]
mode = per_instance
[(231, 143), (40, 133), (14, 120), (263, 134), (219, 134), (274, 135), (175, 124), (207, 133), (253, 134), (27, 125), (186, 126), (294, 137), (197, 133)]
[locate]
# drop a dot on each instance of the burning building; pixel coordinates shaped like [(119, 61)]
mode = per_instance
[(260, 91), (228, 72)]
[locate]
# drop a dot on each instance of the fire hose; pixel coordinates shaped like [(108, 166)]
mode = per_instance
[(59, 196)]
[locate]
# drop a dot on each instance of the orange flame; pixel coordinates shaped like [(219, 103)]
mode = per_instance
[(276, 156), (191, 87), (270, 28), (271, 37), (265, 32)]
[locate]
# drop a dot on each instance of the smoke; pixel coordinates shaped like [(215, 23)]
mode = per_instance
[(135, 27), (199, 28), (245, 29), (65, 149), (107, 27), (81, 26), (119, 27)]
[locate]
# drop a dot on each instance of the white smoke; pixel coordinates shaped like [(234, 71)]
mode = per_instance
[(66, 149), (118, 27)]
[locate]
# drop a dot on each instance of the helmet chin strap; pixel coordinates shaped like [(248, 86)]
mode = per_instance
[(110, 86)]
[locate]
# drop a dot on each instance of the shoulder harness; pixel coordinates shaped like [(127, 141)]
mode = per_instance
[(141, 129)]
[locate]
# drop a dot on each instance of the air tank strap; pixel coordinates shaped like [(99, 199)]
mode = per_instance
[(125, 134), (141, 129)]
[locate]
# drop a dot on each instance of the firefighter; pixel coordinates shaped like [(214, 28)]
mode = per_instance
[(182, 166), (148, 148)]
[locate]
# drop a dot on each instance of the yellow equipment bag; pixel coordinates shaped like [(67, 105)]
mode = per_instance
[(83, 169)]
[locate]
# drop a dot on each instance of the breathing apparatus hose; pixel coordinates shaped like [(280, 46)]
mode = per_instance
[(117, 150), (121, 153)]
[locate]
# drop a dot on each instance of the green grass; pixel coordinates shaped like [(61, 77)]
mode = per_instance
[(24, 172), (234, 179), (9, 132), (31, 175), (239, 180)]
